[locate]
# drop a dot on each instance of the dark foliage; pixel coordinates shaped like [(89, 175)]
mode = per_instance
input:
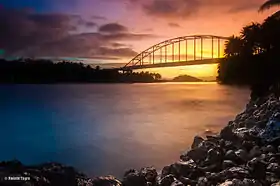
[(45, 71), (253, 58)]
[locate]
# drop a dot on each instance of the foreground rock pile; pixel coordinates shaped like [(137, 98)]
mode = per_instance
[(246, 152)]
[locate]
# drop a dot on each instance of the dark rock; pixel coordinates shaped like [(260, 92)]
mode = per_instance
[(214, 139), (130, 171), (276, 184), (185, 168), (104, 181), (271, 132), (261, 124), (268, 148), (229, 146), (177, 183), (167, 180), (187, 181), (184, 157), (150, 174), (211, 168), (134, 178), (214, 155), (257, 168), (255, 152), (150, 184), (227, 134), (197, 140), (203, 181), (228, 164), (165, 171), (271, 178), (234, 172), (248, 145), (238, 182), (198, 154), (242, 155), (274, 141), (227, 183), (231, 155), (273, 160), (251, 182), (274, 168)]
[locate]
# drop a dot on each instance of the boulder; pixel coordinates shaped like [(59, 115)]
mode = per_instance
[(274, 168), (150, 174), (166, 171), (133, 178), (276, 184), (242, 155), (197, 140), (103, 181), (255, 152), (203, 181), (231, 155), (227, 134), (167, 180), (187, 181), (177, 183), (198, 154), (214, 155), (268, 148), (227, 164), (184, 168), (257, 168)]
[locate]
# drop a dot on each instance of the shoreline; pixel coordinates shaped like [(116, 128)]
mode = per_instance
[(245, 152), (86, 83)]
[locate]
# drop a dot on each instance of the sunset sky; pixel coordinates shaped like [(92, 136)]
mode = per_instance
[(114, 31)]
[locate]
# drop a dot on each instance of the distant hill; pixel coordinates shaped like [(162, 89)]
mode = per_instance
[(186, 78)]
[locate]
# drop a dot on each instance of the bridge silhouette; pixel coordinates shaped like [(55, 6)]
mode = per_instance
[(186, 50)]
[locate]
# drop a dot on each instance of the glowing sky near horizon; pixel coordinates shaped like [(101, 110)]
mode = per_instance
[(134, 25)]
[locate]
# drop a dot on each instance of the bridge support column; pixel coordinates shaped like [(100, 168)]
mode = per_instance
[(194, 47), (201, 48), (186, 50), (218, 47), (212, 47)]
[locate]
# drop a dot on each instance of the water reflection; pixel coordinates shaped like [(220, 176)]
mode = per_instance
[(105, 129)]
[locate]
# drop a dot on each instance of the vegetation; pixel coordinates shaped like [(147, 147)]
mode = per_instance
[(186, 78), (268, 4), (252, 58), (45, 71)]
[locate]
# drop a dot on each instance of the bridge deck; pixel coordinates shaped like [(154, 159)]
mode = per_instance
[(172, 64)]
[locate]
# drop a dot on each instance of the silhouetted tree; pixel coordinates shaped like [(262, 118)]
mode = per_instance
[(268, 4), (233, 46), (253, 57), (45, 71), (251, 36)]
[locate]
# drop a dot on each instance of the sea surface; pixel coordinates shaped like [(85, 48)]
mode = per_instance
[(105, 129)]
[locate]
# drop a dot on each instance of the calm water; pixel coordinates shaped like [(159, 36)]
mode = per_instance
[(105, 129)]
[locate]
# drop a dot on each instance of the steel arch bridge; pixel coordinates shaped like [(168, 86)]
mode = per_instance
[(159, 55)]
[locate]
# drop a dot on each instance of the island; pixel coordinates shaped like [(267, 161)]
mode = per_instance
[(186, 78)]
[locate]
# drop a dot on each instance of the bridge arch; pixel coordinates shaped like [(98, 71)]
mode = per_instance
[(138, 60)]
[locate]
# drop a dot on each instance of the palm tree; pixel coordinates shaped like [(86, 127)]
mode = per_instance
[(233, 46), (251, 36), (268, 4)]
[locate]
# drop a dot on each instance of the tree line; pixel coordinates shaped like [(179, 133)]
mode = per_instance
[(46, 71)]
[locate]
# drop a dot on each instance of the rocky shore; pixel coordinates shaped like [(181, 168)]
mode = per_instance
[(246, 152)]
